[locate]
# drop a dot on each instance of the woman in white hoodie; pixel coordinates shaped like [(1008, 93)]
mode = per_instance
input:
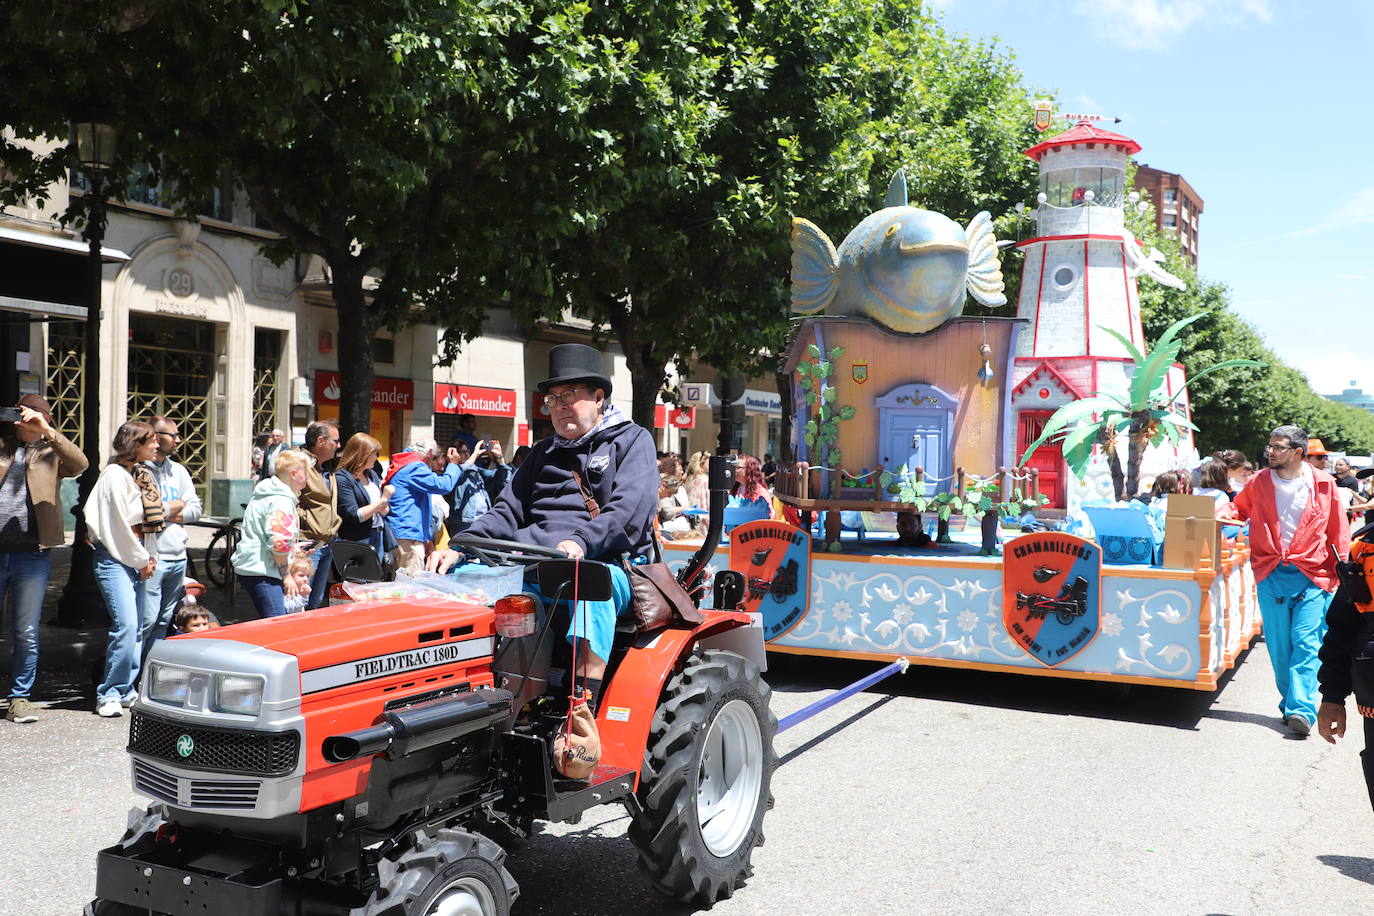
[(122, 520)]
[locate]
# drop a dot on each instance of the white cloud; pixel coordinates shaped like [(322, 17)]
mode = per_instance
[(1153, 25), (1357, 210)]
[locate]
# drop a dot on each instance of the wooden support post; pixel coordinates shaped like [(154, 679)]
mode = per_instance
[(803, 480), (832, 527), (1035, 484), (879, 493)]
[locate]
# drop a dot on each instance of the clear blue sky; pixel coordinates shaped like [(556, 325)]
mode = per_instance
[(1267, 108)]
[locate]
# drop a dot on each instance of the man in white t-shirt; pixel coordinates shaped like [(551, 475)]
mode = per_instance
[(1295, 521)]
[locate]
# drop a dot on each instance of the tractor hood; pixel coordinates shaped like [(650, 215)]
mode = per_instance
[(387, 636)]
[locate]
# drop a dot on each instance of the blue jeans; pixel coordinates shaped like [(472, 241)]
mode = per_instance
[(319, 578), (24, 574), (594, 621), (125, 598), (163, 593), (268, 598), (1294, 612)]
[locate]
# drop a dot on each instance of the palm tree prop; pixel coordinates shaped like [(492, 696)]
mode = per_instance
[(1146, 413)]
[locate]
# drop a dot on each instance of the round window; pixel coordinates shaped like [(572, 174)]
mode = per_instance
[(1063, 276)]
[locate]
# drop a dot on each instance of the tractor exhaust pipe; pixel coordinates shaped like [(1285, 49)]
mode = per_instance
[(404, 731), (719, 480)]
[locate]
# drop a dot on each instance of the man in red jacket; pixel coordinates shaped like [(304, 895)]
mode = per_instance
[(1295, 520)]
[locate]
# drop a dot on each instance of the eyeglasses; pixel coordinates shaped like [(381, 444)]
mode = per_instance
[(161, 432), (1280, 448), (1317, 457), (566, 398)]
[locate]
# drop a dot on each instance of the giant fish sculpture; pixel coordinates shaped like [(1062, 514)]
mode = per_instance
[(904, 267)]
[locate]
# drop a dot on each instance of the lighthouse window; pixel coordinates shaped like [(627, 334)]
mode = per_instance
[(1069, 187), (1063, 276)]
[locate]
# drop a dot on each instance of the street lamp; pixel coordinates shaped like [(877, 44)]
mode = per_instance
[(95, 151)]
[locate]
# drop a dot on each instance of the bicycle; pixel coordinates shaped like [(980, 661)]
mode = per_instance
[(219, 554)]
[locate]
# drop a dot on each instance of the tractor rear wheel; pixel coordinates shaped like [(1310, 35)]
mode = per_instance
[(705, 786), (453, 873)]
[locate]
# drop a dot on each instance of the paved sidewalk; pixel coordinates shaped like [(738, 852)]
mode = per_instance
[(68, 658)]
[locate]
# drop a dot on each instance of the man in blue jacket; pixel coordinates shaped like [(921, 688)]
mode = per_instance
[(419, 473), (590, 491)]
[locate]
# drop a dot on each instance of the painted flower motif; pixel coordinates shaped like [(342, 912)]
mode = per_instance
[(901, 614), (967, 621), (921, 596), (1112, 625), (842, 610)]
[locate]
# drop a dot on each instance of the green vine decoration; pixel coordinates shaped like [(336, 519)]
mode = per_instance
[(822, 431)]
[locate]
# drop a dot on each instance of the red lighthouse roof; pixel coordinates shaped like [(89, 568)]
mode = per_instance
[(1084, 132)]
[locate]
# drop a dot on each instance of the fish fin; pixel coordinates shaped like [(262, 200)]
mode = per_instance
[(984, 279), (815, 268), (896, 192)]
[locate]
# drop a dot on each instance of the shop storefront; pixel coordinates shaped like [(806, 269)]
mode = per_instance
[(493, 409), (392, 399)]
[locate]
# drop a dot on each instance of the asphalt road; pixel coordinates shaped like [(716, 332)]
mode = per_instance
[(937, 792)]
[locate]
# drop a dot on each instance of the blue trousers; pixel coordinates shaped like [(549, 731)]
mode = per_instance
[(163, 592), (1294, 612), (125, 598), (593, 621), (319, 578), (24, 575), (269, 600)]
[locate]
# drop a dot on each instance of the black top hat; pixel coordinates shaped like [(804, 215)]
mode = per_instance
[(575, 363), (1365, 472)]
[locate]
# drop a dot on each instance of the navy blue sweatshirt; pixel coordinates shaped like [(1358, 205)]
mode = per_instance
[(543, 505)]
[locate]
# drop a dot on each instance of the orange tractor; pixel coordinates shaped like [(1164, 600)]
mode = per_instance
[(371, 758)]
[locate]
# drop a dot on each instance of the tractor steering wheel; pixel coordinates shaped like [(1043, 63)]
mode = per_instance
[(496, 552)]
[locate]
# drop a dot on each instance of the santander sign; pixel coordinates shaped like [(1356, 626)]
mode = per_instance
[(484, 402), (387, 393)]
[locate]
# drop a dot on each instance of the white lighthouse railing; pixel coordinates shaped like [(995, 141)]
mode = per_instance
[(1082, 219)]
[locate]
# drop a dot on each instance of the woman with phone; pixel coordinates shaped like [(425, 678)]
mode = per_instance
[(363, 502), (123, 517)]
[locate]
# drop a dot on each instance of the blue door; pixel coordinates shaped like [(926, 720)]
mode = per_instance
[(918, 438)]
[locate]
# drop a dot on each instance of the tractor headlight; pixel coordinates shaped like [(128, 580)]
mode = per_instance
[(238, 693), (168, 685)]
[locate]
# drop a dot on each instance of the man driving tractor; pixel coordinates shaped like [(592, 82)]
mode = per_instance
[(590, 491)]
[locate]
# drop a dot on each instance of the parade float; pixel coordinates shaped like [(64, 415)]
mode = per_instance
[(906, 410)]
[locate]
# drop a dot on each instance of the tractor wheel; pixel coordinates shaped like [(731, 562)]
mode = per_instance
[(454, 873), (705, 784)]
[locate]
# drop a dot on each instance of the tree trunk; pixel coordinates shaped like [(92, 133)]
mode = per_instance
[(786, 453), (1139, 438), (1107, 441), (357, 326), (646, 379)]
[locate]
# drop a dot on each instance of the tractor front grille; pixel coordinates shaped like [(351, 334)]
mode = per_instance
[(222, 750), (198, 793)]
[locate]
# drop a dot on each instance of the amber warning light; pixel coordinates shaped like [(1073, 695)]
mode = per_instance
[(515, 616)]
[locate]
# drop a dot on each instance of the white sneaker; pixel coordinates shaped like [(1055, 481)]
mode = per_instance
[(130, 700), (110, 709)]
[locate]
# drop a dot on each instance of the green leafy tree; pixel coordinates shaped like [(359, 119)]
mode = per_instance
[(372, 135), (709, 126), (1240, 408)]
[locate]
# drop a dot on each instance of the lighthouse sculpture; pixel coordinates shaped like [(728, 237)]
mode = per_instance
[(1079, 279)]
